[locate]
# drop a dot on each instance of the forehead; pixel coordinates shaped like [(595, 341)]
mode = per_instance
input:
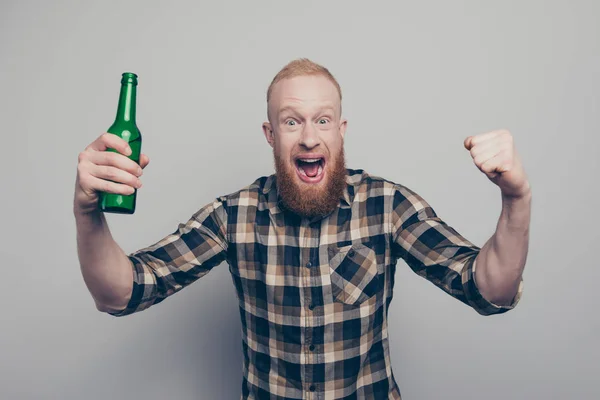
[(306, 91)]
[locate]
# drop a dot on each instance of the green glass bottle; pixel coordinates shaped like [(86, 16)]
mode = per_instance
[(125, 127)]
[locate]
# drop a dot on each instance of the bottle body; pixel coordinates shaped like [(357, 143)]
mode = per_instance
[(126, 128)]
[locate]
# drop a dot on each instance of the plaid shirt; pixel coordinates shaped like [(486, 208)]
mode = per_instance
[(313, 293)]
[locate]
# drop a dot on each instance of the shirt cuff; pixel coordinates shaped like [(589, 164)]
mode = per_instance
[(474, 296), (142, 290)]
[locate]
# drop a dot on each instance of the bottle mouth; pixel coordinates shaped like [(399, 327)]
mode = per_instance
[(129, 77)]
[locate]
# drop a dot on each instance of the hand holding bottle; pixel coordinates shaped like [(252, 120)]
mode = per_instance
[(99, 170)]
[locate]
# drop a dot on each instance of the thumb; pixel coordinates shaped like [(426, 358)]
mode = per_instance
[(468, 143), (144, 160)]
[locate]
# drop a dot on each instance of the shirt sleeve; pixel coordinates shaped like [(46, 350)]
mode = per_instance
[(437, 252), (179, 259)]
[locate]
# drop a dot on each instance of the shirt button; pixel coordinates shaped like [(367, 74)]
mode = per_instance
[(351, 253), (308, 264), (311, 347), (311, 307), (312, 388)]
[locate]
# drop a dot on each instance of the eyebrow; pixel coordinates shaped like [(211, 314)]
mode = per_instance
[(292, 110)]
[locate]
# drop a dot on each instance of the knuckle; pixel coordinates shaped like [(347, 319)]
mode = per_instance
[(110, 173), (110, 158), (107, 187), (81, 169)]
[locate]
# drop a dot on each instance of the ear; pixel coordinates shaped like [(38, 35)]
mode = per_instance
[(268, 131), (343, 125)]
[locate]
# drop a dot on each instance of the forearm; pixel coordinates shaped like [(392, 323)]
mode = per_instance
[(106, 270), (501, 261)]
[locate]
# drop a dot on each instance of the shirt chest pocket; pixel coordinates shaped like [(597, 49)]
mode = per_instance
[(354, 274)]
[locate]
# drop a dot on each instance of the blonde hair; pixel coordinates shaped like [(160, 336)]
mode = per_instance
[(300, 67)]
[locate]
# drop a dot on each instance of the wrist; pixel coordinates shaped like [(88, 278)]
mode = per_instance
[(521, 196), (87, 218), (516, 212)]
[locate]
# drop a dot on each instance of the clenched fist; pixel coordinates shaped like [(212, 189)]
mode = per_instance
[(104, 171), (495, 155)]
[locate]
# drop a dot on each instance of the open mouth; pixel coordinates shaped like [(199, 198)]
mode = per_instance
[(310, 169)]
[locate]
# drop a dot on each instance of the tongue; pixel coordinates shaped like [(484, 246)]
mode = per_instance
[(311, 169)]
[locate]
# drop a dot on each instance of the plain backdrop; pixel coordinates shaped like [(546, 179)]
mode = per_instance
[(417, 79)]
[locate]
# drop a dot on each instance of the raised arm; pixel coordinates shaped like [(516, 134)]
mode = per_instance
[(105, 268), (501, 262), (122, 284), (437, 252)]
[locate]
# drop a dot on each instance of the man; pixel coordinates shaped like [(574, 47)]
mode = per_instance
[(311, 249)]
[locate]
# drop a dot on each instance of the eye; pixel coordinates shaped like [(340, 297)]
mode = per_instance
[(323, 121), (290, 122)]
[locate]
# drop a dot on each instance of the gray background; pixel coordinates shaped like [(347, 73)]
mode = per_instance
[(417, 78)]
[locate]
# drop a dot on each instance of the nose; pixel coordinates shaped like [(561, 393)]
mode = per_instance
[(310, 137)]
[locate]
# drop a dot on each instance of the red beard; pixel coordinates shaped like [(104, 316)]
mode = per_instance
[(311, 201)]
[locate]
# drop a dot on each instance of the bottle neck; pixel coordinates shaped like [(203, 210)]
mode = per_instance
[(127, 100)]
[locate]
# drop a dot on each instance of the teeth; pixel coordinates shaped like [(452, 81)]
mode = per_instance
[(310, 160)]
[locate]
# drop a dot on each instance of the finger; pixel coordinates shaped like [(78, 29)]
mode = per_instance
[(115, 160), (495, 165), (102, 185), (483, 157), (483, 137), (115, 175), (109, 140), (144, 160), (485, 147)]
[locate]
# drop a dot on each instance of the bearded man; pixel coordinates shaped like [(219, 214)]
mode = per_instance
[(312, 249)]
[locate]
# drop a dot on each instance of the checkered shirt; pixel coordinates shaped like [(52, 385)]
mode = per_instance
[(313, 294)]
